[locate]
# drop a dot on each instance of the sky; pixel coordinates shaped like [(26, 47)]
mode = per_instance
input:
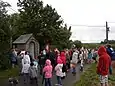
[(79, 14)]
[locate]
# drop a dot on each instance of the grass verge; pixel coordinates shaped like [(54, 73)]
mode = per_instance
[(4, 75), (90, 78)]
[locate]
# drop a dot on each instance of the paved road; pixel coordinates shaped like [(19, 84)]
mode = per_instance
[(68, 81)]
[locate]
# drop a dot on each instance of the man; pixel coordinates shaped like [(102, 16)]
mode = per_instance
[(103, 66)]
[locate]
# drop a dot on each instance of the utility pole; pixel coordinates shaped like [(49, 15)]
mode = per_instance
[(107, 30)]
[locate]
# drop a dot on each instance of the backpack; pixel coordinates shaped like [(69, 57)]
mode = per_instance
[(111, 53)]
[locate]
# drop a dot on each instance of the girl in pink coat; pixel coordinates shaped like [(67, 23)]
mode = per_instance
[(47, 70)]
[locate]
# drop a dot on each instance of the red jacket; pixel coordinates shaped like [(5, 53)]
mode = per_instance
[(63, 58), (104, 61)]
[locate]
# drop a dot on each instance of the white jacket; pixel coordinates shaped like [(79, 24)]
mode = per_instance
[(74, 58), (25, 68), (26, 60), (58, 70)]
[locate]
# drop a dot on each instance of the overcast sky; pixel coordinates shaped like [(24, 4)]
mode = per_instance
[(84, 12)]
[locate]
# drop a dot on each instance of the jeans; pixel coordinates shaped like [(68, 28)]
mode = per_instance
[(48, 82), (59, 80), (74, 70)]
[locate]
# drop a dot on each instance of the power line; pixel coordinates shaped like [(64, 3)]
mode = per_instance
[(87, 25), (9, 7)]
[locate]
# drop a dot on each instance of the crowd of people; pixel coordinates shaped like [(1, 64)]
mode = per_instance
[(49, 61)]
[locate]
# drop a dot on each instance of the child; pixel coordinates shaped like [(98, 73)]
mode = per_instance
[(25, 70), (89, 57), (47, 70), (33, 74), (103, 66), (59, 72)]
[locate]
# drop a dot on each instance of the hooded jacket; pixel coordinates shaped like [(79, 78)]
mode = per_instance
[(63, 58), (58, 67), (48, 69), (104, 61)]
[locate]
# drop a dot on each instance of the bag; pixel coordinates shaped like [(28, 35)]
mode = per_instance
[(113, 56)]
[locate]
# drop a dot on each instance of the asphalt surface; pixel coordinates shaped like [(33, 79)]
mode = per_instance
[(68, 81)]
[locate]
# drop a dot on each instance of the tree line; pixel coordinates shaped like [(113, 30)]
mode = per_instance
[(44, 22)]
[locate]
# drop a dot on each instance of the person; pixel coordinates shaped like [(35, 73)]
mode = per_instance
[(59, 72), (19, 61), (13, 56), (111, 53), (94, 55), (103, 65), (33, 71), (81, 61), (63, 58), (74, 61), (67, 59), (25, 70), (47, 70), (41, 61), (52, 57), (27, 58), (89, 57)]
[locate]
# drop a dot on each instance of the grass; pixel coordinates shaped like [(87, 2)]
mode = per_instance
[(90, 78), (4, 75)]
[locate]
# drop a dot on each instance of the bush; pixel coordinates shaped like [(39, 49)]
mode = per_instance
[(4, 61)]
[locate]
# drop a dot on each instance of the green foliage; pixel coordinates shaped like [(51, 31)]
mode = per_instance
[(77, 43), (91, 45), (4, 61), (44, 22), (4, 35)]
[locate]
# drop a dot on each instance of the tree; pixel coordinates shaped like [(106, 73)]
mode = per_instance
[(4, 35), (77, 43), (44, 22)]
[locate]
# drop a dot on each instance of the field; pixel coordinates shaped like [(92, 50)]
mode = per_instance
[(90, 78)]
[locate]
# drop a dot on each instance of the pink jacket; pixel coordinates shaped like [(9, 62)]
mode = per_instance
[(48, 69)]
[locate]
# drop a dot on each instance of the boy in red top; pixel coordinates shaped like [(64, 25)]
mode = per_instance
[(103, 66)]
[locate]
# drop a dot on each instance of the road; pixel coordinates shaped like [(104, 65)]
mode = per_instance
[(68, 81)]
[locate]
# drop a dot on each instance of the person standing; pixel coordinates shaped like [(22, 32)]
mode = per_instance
[(47, 70), (63, 58), (25, 69), (74, 61), (33, 73), (13, 57), (103, 65), (59, 72)]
